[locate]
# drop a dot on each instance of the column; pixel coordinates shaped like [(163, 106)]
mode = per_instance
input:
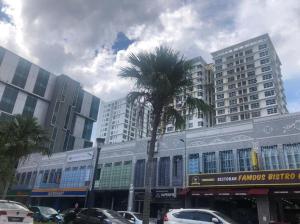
[(131, 188), (266, 210)]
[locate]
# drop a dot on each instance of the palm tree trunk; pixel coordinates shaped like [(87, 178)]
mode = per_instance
[(4, 194), (149, 168)]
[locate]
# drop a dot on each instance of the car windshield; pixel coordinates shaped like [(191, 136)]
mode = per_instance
[(226, 218), (48, 211), (112, 214), (138, 215), (11, 205)]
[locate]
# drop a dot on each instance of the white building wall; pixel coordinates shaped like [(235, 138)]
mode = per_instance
[(8, 67), (86, 104), (79, 125), (31, 79), (20, 102), (40, 111)]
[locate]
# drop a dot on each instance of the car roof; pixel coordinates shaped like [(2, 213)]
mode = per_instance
[(192, 209)]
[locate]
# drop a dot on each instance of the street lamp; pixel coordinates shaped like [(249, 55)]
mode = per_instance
[(185, 169), (91, 195)]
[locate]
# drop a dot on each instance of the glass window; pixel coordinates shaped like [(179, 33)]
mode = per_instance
[(244, 159), (177, 170), (270, 101), (263, 53), (226, 161), (269, 93), (272, 110), (262, 46), (264, 61), (87, 131), (267, 76), (21, 73), (41, 82), (30, 105), (139, 174), (67, 117), (94, 107), (8, 99), (270, 157), (45, 176), (193, 164), (2, 53), (268, 85), (79, 101), (164, 171), (209, 162), (265, 69), (292, 155)]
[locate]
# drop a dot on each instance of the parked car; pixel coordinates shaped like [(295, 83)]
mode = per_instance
[(135, 217), (14, 212), (46, 214), (99, 216), (69, 215), (196, 216)]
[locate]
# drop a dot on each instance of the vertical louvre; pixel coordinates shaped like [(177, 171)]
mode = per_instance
[(126, 174), (105, 181), (244, 158), (164, 171), (292, 155), (209, 162), (116, 175), (270, 156), (226, 161), (193, 166)]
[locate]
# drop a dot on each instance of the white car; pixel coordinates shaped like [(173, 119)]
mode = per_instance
[(196, 216), (135, 217), (12, 212)]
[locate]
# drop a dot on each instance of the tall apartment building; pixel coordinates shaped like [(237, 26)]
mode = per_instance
[(119, 121), (58, 102), (248, 81), (202, 88)]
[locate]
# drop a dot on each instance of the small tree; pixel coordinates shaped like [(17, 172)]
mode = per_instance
[(159, 77), (19, 137)]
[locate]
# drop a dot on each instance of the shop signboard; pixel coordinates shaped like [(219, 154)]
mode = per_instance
[(72, 192), (80, 156), (252, 178), (167, 193)]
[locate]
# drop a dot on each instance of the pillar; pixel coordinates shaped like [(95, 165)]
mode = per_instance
[(266, 210)]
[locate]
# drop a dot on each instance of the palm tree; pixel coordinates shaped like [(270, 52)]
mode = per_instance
[(20, 136), (159, 77)]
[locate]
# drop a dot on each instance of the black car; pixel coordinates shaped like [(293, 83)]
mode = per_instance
[(46, 214), (70, 214), (99, 216)]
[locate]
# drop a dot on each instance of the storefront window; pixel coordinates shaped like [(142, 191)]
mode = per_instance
[(164, 171), (244, 156), (126, 174), (177, 170), (226, 161), (139, 174), (270, 157), (209, 162), (292, 155), (106, 176), (193, 166)]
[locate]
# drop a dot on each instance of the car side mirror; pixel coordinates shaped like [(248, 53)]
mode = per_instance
[(101, 217), (132, 219), (215, 220)]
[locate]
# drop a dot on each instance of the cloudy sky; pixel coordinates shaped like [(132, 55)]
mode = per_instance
[(90, 39)]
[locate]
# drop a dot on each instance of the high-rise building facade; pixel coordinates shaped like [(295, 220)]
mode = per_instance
[(120, 121), (58, 102), (248, 81), (201, 75)]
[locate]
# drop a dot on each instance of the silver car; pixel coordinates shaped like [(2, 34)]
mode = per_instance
[(135, 217), (196, 216)]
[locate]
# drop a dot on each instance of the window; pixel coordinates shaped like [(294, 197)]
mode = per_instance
[(41, 82), (252, 89), (255, 105), (29, 106), (8, 99), (269, 93), (256, 114), (267, 76), (233, 102), (232, 94), (270, 102), (265, 69), (21, 73), (263, 53), (219, 82), (231, 86), (221, 111), (221, 119), (219, 74), (94, 107), (233, 109), (220, 104), (292, 155), (220, 88), (250, 66), (268, 85), (264, 61), (177, 170), (231, 79), (244, 158), (250, 51), (229, 64), (45, 177), (219, 67), (209, 162), (190, 125), (164, 171), (234, 118), (262, 46), (272, 110), (270, 157), (230, 72), (226, 161), (218, 61), (139, 173), (193, 164), (254, 97), (79, 101), (67, 117), (230, 57), (2, 53), (251, 58), (252, 81), (87, 131), (87, 144), (220, 96), (200, 123), (252, 73), (28, 177)]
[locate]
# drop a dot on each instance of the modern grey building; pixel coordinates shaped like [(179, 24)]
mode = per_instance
[(248, 81), (121, 121), (58, 102)]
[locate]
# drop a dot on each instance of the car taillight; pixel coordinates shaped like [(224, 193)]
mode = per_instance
[(30, 214), (166, 218), (3, 213)]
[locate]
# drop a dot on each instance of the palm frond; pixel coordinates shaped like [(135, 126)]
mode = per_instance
[(192, 103), (136, 96), (171, 115)]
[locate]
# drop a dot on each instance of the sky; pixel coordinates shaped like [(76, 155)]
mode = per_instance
[(90, 40)]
